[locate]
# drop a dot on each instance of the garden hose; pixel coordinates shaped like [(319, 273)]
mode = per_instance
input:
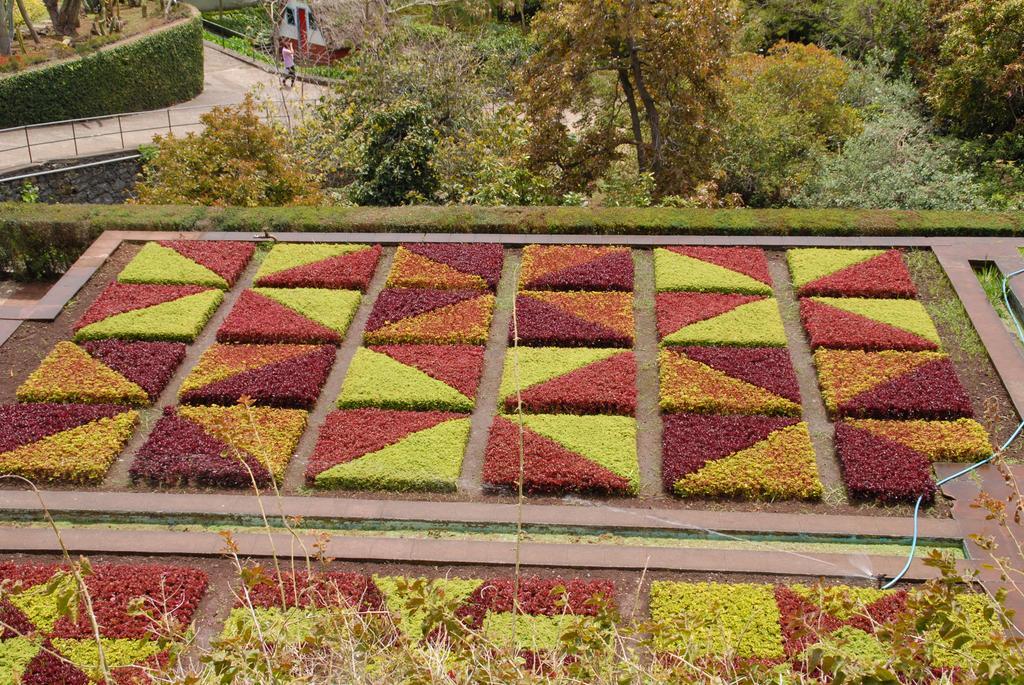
[(1016, 433)]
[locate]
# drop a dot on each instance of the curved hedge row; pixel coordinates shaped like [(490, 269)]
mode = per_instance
[(37, 240), (149, 72)]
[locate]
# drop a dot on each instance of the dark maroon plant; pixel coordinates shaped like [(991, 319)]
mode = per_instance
[(294, 382), (690, 441), (179, 451), (877, 468), (21, 424), (149, 365), (395, 304), (483, 260)]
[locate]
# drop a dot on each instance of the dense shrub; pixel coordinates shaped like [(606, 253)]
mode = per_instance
[(237, 159), (786, 109), (150, 72), (896, 161)]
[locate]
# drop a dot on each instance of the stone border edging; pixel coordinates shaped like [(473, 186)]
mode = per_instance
[(581, 516), (464, 552)]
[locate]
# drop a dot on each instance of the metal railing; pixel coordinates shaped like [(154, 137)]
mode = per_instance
[(23, 145)]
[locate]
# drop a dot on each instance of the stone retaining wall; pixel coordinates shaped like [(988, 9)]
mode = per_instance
[(104, 184)]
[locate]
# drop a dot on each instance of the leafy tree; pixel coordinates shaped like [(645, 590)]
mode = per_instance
[(640, 73), (892, 29), (491, 166), (786, 110), (236, 160), (424, 65), (895, 162), (978, 85), (396, 163)]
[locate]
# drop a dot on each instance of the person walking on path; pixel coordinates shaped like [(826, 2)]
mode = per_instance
[(288, 57)]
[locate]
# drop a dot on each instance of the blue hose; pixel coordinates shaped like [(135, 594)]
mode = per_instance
[(1014, 436)]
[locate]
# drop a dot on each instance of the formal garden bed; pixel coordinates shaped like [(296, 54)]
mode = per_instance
[(392, 612), (415, 361), (737, 379)]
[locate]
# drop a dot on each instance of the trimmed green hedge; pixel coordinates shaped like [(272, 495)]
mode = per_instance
[(36, 240), (148, 72)]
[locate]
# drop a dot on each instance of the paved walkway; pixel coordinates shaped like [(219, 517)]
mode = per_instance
[(226, 81)]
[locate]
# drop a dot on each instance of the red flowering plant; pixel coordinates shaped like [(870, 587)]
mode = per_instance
[(149, 312), (290, 315), (868, 324), (305, 265), (578, 380), (564, 453), (850, 273), (389, 449)]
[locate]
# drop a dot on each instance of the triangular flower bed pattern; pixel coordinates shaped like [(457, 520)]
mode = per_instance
[(384, 449), (719, 319), (571, 380), (960, 440), (213, 263), (219, 446), (712, 270), (545, 607), (410, 315), (728, 380), (890, 461), (447, 266), (875, 467), (271, 375), (776, 625), (290, 315), (564, 454), (149, 312), (62, 442), (573, 319), (850, 273), (304, 265), (868, 324), (423, 377), (103, 371), (576, 267), (749, 457), (891, 385), (50, 649)]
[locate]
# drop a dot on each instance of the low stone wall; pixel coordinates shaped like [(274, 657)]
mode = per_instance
[(104, 183)]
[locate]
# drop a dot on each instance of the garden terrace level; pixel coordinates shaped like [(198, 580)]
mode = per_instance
[(955, 255)]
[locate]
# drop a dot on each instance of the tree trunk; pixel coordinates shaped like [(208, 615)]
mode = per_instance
[(66, 18), (5, 34), (650, 108), (28, 21), (634, 118)]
